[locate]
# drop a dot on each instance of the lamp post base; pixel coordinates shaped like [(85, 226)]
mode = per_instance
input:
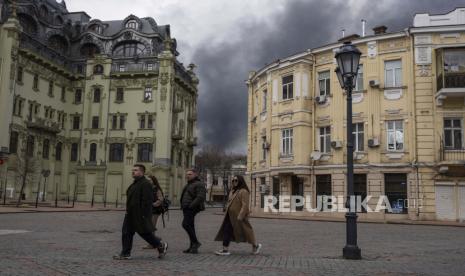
[(351, 252)]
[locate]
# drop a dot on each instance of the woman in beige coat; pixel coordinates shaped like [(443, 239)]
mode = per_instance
[(236, 226)]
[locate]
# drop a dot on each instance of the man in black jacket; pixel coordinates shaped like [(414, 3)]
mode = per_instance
[(138, 218), (192, 201)]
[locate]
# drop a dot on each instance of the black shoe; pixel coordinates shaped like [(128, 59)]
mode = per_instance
[(162, 250), (121, 257), (195, 248), (188, 250)]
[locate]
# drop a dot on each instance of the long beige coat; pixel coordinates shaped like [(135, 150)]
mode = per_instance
[(238, 210)]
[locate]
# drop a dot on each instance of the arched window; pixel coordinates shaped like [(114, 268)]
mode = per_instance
[(28, 23), (98, 69), (58, 151), (58, 43), (129, 49), (131, 24), (93, 152), (96, 28), (89, 50), (58, 20), (43, 11)]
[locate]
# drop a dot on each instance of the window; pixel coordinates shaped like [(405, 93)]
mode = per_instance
[(323, 186), (95, 122), (358, 138), (286, 141), (264, 95), (58, 148), (144, 152), (96, 28), (46, 149), (360, 188), (116, 152), (149, 121), (63, 119), (19, 76), (325, 139), (395, 135), (395, 188), (148, 94), (74, 152), (180, 161), (264, 148), (324, 83), (35, 82), (76, 122), (149, 66), (63, 93), (114, 122), (15, 103), (58, 43), (98, 69), (142, 121), (80, 68), (122, 121), (129, 49), (78, 96), (359, 82), (119, 94), (96, 95), (93, 152), (453, 133), (50, 88), (393, 73), (13, 142), (122, 67), (30, 146), (88, 50), (132, 24), (288, 82)]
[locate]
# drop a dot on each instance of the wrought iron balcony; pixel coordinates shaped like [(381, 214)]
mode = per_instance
[(134, 68)]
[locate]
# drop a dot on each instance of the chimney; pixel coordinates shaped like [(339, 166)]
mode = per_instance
[(363, 27), (343, 32), (380, 29)]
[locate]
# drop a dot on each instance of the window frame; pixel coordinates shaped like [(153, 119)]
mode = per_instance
[(325, 139), (324, 77), (287, 88), (287, 141), (116, 152), (144, 152), (396, 132), (358, 134), (453, 129), (395, 82)]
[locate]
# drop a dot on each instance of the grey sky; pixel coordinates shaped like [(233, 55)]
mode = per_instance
[(227, 39)]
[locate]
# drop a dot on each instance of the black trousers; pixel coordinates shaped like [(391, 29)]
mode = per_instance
[(188, 224), (228, 232), (128, 237)]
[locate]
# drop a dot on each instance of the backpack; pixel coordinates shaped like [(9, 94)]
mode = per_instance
[(163, 208)]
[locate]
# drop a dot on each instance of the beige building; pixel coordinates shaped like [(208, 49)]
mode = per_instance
[(408, 123), (86, 99)]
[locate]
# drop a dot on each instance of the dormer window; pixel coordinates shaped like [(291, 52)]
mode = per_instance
[(96, 28), (131, 24)]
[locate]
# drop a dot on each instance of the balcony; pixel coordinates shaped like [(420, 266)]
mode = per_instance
[(176, 135), (192, 141), (43, 125), (450, 85), (192, 116), (133, 68), (452, 155)]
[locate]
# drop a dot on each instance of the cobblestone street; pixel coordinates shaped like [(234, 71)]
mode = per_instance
[(82, 243)]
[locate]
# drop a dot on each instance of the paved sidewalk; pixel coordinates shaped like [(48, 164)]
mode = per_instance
[(62, 206), (82, 243)]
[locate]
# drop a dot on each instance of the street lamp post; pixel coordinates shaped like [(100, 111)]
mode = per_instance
[(348, 57)]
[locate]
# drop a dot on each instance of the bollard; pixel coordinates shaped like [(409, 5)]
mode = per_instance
[(93, 191), (56, 195), (37, 196)]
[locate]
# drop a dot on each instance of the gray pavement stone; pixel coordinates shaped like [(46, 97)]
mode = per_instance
[(83, 244)]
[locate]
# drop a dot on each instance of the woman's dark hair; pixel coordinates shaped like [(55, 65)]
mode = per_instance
[(240, 184), (155, 182)]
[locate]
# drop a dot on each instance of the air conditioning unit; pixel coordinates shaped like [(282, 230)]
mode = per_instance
[(374, 83), (336, 144), (316, 155), (266, 145), (373, 142), (10, 192), (321, 99)]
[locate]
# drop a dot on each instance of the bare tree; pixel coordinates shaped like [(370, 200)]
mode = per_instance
[(26, 169)]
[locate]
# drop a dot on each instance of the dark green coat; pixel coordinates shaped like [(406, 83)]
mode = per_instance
[(193, 195), (139, 205)]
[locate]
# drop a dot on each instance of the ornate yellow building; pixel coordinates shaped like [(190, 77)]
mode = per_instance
[(86, 99), (408, 123)]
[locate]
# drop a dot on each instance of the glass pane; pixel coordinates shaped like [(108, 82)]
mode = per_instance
[(448, 138), (391, 140), (447, 123), (457, 139), (328, 143), (390, 125), (321, 84), (322, 144), (457, 123), (389, 78), (398, 125), (398, 77)]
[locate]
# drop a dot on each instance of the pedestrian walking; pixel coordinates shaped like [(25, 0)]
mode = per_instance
[(236, 226), (192, 202), (157, 204), (138, 217)]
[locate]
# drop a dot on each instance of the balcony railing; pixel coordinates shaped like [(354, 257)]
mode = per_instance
[(134, 68), (452, 154), (451, 80)]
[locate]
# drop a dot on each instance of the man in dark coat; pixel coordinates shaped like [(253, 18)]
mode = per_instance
[(192, 202), (138, 218)]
